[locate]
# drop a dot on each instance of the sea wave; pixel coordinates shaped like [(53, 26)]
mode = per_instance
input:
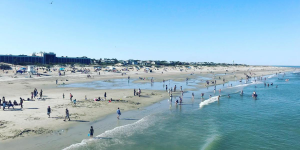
[(208, 101), (246, 84), (271, 76), (209, 142), (116, 133)]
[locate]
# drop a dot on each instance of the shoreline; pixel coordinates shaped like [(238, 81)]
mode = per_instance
[(97, 117)]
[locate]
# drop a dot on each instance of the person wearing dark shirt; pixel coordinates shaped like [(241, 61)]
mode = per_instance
[(67, 114), (91, 132), (48, 111)]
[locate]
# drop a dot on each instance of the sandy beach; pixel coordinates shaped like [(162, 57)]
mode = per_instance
[(32, 120)]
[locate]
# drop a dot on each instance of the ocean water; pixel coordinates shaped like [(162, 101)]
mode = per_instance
[(236, 123)]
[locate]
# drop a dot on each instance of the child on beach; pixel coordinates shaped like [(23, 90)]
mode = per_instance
[(74, 101), (119, 113)]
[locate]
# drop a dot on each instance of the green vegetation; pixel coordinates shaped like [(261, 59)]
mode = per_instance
[(5, 67)]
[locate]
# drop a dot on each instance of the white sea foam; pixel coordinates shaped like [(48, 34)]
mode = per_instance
[(208, 101), (248, 83), (241, 85), (209, 141), (123, 131), (271, 76)]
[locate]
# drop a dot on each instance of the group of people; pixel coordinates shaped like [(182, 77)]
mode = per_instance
[(99, 99), (67, 116), (9, 104), (137, 92), (35, 93), (170, 90)]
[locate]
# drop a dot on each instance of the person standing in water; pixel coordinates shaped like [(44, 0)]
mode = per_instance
[(48, 111), (242, 93), (91, 132), (119, 113)]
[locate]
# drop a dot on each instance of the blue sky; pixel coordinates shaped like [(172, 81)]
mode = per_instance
[(257, 32)]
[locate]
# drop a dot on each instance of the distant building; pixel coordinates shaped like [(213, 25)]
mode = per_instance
[(43, 58)]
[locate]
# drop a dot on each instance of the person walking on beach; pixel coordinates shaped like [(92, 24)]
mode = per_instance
[(63, 95), (3, 104), (21, 102), (56, 81), (105, 96), (91, 132), (119, 113), (67, 115), (71, 96), (140, 92), (41, 93), (134, 92), (48, 111)]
